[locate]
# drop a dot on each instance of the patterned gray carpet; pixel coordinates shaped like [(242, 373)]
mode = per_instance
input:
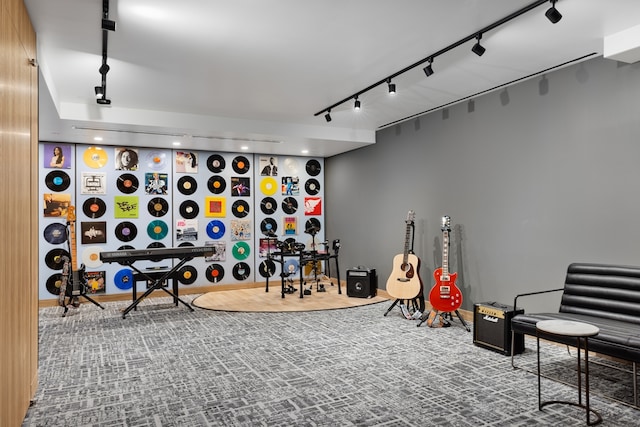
[(167, 366)]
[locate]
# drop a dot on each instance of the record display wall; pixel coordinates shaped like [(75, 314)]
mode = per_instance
[(143, 197)]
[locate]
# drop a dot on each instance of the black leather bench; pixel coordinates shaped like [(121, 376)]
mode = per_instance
[(607, 296)]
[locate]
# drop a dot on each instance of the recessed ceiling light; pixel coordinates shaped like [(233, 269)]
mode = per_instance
[(305, 151), (244, 147), (97, 138), (176, 143)]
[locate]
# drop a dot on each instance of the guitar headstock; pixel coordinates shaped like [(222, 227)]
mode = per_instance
[(446, 223), (411, 215), (71, 214)]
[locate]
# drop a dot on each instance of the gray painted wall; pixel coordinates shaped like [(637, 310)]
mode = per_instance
[(534, 177)]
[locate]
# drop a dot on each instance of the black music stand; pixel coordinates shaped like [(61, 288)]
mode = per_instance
[(418, 301), (157, 282), (82, 292)]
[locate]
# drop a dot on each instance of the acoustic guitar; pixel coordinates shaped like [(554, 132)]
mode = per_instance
[(404, 281), (445, 295)]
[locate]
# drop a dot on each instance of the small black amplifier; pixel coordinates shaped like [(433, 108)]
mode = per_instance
[(362, 282), (492, 327)]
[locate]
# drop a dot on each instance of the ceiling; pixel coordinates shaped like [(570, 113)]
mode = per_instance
[(251, 74)]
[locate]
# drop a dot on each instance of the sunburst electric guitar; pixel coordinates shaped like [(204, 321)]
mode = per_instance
[(404, 281), (445, 295)]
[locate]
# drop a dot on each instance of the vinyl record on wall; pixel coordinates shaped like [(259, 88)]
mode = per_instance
[(241, 271), (127, 183), (241, 250), (158, 207), (53, 284), (182, 245), (313, 167), (216, 163), (153, 246), (268, 186), (57, 180), (94, 207), (55, 258), (312, 186), (240, 164), (267, 268), (312, 226), (268, 205), (216, 184), (215, 273), (156, 160), (91, 256), (240, 208), (215, 229), (55, 233), (187, 275), (126, 231), (290, 166), (187, 185), (123, 279), (189, 209), (157, 229), (95, 157), (289, 205), (268, 225)]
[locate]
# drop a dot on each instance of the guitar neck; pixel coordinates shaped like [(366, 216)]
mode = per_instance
[(72, 246), (407, 238), (445, 253)]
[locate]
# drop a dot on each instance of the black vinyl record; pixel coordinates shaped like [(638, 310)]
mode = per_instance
[(289, 205), (241, 271), (216, 163), (55, 258), (94, 207), (158, 207), (187, 185), (240, 208), (53, 284), (57, 180), (126, 231), (240, 164), (268, 225), (127, 183), (313, 167), (312, 226), (182, 245), (55, 233), (267, 268), (156, 245), (215, 273), (312, 186), (268, 205), (216, 184), (124, 248), (187, 275), (189, 209)]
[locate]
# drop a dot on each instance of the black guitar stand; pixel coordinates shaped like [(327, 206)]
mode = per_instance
[(416, 303), (446, 315), (69, 292)]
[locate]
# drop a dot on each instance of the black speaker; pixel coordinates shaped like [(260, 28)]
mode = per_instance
[(362, 283), (492, 327)]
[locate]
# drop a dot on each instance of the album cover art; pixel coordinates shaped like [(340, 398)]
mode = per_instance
[(56, 204), (126, 159), (267, 245), (215, 206), (57, 156), (219, 251), (93, 183), (187, 230), (186, 162), (268, 166), (125, 206), (95, 282), (290, 185), (156, 183), (240, 187), (93, 232), (240, 229), (290, 225), (312, 206)]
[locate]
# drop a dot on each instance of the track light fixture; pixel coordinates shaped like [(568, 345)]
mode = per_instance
[(552, 13), (356, 104), (477, 48), (108, 24), (392, 87), (99, 91), (428, 70)]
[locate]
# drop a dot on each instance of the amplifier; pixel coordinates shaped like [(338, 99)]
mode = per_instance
[(492, 327), (362, 282)]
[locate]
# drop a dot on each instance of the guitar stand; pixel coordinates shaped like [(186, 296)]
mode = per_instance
[(82, 294), (415, 304), (158, 283), (447, 316)]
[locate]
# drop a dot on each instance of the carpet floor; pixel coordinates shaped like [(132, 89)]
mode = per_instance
[(167, 366)]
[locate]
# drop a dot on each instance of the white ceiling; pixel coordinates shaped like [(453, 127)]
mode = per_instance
[(218, 75)]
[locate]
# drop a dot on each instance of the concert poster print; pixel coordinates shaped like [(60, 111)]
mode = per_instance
[(125, 206), (56, 204), (57, 156), (93, 232), (93, 183), (240, 187), (215, 206), (240, 229), (290, 185), (186, 162), (156, 183)]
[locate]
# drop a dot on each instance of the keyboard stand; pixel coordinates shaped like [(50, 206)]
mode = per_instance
[(157, 281)]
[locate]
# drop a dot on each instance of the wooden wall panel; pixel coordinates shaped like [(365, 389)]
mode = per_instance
[(18, 210)]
